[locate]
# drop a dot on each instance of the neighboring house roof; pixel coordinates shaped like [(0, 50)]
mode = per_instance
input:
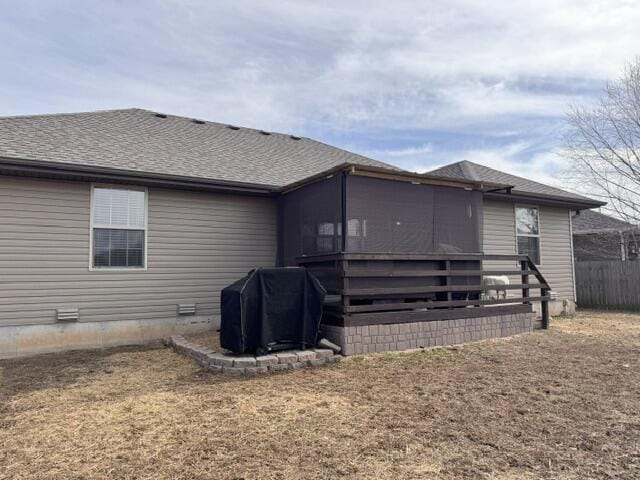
[(139, 140), (591, 221), (474, 171)]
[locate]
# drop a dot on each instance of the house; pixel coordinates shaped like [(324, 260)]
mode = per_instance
[(123, 226), (597, 236)]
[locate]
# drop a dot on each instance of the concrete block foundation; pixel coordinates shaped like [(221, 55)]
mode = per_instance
[(19, 341), (404, 336)]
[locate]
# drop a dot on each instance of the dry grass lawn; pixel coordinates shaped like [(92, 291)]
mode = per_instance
[(562, 404)]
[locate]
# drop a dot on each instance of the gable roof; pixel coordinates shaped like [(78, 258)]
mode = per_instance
[(591, 221), (142, 141), (474, 171)]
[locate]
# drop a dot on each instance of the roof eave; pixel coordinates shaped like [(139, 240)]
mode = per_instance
[(396, 175), (551, 200), (39, 168)]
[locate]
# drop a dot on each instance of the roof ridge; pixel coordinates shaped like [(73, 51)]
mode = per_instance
[(68, 114), (226, 124), (135, 139), (473, 166), (469, 169), (389, 165), (477, 172), (151, 112)]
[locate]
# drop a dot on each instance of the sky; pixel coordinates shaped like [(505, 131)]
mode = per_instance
[(418, 84)]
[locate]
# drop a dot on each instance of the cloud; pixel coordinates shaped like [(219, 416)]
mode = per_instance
[(548, 167), (412, 82), (418, 150), (516, 158)]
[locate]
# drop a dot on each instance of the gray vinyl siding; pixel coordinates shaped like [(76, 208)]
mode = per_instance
[(197, 243), (499, 236), (556, 256), (555, 243)]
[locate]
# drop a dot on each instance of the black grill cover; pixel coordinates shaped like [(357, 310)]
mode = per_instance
[(271, 309)]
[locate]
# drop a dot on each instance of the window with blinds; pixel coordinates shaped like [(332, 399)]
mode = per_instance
[(118, 227), (528, 232)]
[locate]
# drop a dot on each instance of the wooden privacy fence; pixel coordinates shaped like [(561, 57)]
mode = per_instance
[(608, 284)]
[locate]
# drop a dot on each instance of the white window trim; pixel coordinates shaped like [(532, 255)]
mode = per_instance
[(538, 235), (91, 227)]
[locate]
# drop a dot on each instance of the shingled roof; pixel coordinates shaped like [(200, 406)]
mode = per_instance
[(143, 144), (591, 221), (473, 171), (138, 140)]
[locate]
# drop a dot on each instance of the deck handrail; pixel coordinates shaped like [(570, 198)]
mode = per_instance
[(323, 257), (339, 264)]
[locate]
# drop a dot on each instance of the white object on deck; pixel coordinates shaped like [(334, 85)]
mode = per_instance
[(495, 281)]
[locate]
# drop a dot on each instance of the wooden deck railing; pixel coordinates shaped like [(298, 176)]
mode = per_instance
[(394, 288)]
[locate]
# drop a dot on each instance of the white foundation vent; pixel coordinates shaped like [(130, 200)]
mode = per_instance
[(67, 314), (187, 309)]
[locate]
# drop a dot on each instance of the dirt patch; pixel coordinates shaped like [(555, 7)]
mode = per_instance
[(207, 339), (561, 404)]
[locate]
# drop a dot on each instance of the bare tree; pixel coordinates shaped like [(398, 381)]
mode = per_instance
[(603, 145)]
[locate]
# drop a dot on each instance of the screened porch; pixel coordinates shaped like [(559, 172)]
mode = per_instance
[(411, 249)]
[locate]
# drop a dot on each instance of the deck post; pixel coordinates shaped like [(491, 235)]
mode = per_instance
[(447, 266), (545, 308), (345, 300), (544, 293), (524, 266)]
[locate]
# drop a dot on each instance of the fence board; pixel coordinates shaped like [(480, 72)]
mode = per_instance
[(608, 284)]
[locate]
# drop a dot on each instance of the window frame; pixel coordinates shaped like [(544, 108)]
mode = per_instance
[(135, 188), (528, 235)]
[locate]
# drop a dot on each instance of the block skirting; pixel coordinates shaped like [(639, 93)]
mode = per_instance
[(356, 340)]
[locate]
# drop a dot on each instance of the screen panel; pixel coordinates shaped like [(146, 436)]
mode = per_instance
[(386, 216), (395, 217), (457, 220), (310, 220)]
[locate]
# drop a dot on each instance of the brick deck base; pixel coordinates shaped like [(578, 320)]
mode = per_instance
[(403, 336)]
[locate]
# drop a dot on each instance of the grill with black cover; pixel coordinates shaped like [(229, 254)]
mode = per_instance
[(271, 309)]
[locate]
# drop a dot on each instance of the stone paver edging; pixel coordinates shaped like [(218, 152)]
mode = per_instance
[(232, 364)]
